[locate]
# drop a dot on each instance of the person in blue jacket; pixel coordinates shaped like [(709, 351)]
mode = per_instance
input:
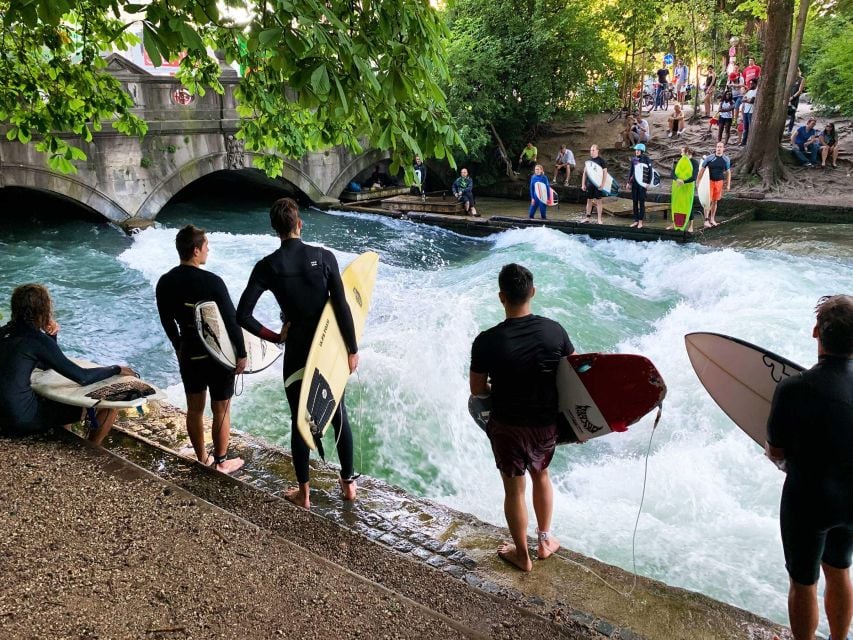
[(539, 176), (638, 191)]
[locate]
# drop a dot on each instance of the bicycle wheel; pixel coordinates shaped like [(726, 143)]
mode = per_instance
[(665, 100), (614, 115)]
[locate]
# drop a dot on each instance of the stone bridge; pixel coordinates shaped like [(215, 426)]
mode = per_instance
[(128, 180)]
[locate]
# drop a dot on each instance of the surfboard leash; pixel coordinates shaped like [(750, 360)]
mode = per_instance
[(630, 592)]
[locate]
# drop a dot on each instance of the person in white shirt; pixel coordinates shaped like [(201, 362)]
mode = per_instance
[(565, 160), (645, 130), (748, 106)]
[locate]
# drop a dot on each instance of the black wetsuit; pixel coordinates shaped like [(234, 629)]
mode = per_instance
[(812, 420), (302, 278), (22, 412), (178, 291)]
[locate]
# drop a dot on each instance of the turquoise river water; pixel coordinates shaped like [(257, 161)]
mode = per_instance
[(710, 521)]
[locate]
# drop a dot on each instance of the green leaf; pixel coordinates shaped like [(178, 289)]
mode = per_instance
[(320, 80), (191, 37), (269, 36), (149, 41)]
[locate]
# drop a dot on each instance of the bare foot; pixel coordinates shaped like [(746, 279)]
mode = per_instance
[(509, 553), (633, 225), (690, 230), (348, 489), (230, 465), (548, 545), (299, 497), (640, 226), (707, 225), (714, 223), (670, 228)]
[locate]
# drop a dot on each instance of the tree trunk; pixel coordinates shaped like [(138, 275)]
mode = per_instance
[(695, 116), (796, 43), (504, 156), (771, 105)]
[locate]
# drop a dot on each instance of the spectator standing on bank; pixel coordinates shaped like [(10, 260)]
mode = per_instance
[(420, 172), (726, 114), (748, 106), (682, 75), (751, 72), (829, 145), (528, 156), (806, 140), (710, 87), (736, 86), (794, 99)]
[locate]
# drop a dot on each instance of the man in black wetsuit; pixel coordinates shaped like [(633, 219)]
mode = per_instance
[(178, 291), (29, 342), (516, 362), (302, 278), (420, 172), (810, 436)]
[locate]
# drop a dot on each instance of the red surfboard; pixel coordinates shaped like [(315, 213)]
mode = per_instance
[(599, 393)]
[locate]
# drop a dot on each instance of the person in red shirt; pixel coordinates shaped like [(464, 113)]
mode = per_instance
[(751, 72)]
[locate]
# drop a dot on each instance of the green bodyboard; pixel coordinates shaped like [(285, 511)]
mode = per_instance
[(682, 194)]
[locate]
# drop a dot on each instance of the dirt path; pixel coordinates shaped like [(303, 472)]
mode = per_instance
[(822, 186)]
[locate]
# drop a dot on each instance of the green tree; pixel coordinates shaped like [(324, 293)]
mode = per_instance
[(515, 64), (321, 73), (827, 58)]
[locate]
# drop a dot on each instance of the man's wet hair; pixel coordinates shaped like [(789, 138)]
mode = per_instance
[(188, 239), (516, 283), (284, 216), (835, 324), (31, 306)]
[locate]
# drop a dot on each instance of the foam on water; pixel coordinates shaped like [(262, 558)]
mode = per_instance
[(710, 521)]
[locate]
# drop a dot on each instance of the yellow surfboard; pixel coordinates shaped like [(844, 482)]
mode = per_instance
[(327, 368)]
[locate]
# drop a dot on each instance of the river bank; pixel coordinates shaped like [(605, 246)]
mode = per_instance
[(134, 536)]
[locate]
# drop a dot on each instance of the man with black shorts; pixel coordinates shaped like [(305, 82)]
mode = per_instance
[(516, 362), (810, 436), (303, 279), (593, 193), (178, 291)]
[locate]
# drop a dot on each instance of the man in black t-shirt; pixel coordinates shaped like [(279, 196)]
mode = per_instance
[(177, 292), (516, 362), (810, 436)]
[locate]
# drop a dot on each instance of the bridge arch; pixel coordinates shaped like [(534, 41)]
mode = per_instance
[(355, 167), (64, 186), (200, 167)]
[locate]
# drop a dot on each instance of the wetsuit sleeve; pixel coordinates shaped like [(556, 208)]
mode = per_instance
[(693, 175), (532, 191), (568, 347), (783, 414), (229, 316), (258, 283), (343, 314), (167, 314), (50, 356)]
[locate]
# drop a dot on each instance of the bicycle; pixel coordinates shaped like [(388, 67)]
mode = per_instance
[(623, 112)]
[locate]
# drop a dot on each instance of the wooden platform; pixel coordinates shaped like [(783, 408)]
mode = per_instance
[(373, 194), (624, 208), (407, 204)]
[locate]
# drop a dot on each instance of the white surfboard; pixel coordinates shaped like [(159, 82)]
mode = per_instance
[(644, 179), (703, 190), (740, 377), (595, 174), (327, 371), (115, 392), (259, 353), (544, 194)]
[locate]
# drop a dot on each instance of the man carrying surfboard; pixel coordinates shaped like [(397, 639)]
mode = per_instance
[(810, 435), (719, 167), (641, 165), (516, 362), (28, 342), (593, 193), (303, 278), (178, 291)]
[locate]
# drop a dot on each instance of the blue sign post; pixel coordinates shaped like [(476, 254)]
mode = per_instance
[(668, 58)]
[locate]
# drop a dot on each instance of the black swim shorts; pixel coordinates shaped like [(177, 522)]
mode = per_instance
[(517, 449), (813, 532), (203, 373), (50, 414)]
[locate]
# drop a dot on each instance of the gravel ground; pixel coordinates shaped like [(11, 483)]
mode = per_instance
[(86, 552)]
